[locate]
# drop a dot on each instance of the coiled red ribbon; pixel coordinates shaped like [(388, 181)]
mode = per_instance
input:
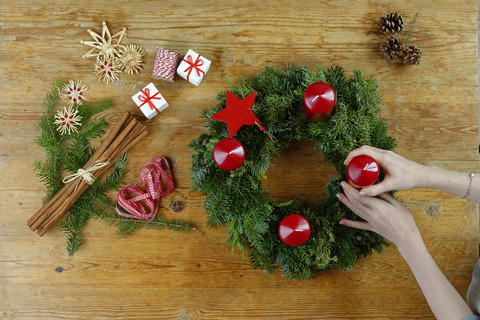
[(151, 174), (148, 99), (194, 65)]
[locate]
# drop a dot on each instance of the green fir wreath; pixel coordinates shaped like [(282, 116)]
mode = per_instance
[(236, 199)]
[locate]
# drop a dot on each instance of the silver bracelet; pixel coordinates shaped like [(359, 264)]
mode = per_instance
[(467, 193)]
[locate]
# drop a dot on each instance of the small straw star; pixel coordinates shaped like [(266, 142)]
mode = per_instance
[(67, 120), (74, 91)]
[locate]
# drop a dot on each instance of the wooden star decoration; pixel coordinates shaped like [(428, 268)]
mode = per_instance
[(237, 113)]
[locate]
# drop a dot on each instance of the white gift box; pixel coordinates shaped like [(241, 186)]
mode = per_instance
[(150, 101), (193, 67)]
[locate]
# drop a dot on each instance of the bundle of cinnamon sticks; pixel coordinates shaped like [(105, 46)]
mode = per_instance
[(125, 134)]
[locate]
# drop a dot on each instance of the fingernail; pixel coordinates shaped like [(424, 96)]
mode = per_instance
[(342, 184), (341, 222), (339, 196), (362, 193)]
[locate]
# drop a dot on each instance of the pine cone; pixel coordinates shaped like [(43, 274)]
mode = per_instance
[(393, 23), (412, 55), (392, 48)]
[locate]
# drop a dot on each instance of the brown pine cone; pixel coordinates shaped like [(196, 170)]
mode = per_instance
[(392, 23), (412, 55), (392, 48)]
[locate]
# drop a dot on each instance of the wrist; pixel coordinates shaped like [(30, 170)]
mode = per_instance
[(412, 246), (423, 176)]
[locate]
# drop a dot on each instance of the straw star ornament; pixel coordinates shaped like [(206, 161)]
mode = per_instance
[(67, 120), (105, 44), (107, 69), (131, 59), (74, 92)]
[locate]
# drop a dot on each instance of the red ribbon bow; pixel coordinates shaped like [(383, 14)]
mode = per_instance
[(148, 99), (194, 65), (151, 177)]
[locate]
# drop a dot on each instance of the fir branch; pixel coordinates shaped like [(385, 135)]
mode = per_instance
[(50, 170), (89, 109), (78, 152), (72, 225), (93, 129), (127, 226)]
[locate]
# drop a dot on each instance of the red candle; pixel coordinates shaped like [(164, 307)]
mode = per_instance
[(318, 101), (294, 230), (362, 171), (228, 154)]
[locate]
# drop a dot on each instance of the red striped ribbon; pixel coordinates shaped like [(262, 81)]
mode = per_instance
[(165, 64), (151, 174)]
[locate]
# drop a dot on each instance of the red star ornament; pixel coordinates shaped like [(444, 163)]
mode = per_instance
[(237, 113)]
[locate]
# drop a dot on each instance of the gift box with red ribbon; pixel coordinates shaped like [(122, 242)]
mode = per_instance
[(193, 67), (150, 101)]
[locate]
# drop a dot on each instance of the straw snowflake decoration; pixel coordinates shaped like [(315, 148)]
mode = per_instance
[(74, 90), (67, 120), (112, 56), (106, 44), (131, 59), (107, 68)]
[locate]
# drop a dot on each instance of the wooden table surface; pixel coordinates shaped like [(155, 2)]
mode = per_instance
[(431, 110)]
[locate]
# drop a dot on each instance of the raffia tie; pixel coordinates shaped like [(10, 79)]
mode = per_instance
[(86, 174), (136, 207)]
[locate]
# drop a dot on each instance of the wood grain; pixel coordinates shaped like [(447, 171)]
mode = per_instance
[(431, 109)]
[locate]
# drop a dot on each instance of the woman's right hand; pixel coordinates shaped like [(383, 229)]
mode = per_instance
[(400, 173)]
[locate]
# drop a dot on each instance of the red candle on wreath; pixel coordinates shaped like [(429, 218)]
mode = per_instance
[(318, 101), (229, 154), (362, 171), (294, 230)]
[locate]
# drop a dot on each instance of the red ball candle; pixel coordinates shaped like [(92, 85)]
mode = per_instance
[(294, 230), (318, 101), (228, 154), (363, 171)]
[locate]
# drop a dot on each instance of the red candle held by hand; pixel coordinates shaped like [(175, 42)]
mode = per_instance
[(318, 101), (228, 154), (363, 171), (294, 230)]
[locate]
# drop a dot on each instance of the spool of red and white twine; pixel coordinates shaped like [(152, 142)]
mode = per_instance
[(165, 65), (152, 175)]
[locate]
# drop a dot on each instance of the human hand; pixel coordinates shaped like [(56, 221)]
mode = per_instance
[(383, 215), (400, 173)]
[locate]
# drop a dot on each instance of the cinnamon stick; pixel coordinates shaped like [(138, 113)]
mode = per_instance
[(54, 203), (71, 200), (51, 204), (125, 119), (126, 133)]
